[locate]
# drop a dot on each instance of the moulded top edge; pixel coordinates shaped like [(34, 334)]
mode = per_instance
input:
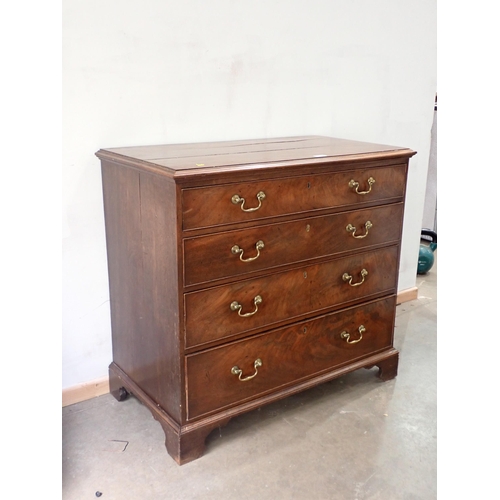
[(312, 146), (190, 160)]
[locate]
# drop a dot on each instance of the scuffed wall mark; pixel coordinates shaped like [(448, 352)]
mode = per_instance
[(235, 72), (93, 309), (236, 67)]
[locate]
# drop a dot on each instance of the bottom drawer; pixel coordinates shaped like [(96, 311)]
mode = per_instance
[(237, 372)]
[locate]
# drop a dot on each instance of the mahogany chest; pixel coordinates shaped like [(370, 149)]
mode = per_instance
[(242, 272)]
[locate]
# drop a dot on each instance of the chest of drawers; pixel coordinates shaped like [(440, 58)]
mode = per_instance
[(243, 272)]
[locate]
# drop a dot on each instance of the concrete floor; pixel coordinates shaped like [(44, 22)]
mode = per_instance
[(355, 438)]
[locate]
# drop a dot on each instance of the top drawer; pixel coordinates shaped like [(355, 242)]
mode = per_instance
[(240, 202)]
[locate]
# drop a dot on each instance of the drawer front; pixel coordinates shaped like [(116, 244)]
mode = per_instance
[(290, 294), (213, 206), (287, 355), (235, 253)]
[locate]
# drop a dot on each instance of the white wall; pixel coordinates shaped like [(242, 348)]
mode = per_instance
[(159, 71)]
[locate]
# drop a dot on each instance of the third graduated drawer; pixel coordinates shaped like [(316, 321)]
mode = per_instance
[(235, 253), (233, 373), (254, 304)]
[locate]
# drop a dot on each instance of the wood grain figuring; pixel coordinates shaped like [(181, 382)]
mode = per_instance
[(287, 355), (287, 295), (205, 207), (189, 318), (209, 258)]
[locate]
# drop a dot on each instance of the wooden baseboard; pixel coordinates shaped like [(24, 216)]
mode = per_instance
[(407, 295), (89, 390), (82, 392)]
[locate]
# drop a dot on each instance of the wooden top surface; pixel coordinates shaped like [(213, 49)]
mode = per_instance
[(176, 158)]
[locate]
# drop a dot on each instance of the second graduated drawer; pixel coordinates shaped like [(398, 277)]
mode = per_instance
[(234, 203), (249, 305), (230, 374), (235, 253)]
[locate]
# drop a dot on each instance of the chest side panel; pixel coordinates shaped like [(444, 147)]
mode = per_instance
[(141, 229)]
